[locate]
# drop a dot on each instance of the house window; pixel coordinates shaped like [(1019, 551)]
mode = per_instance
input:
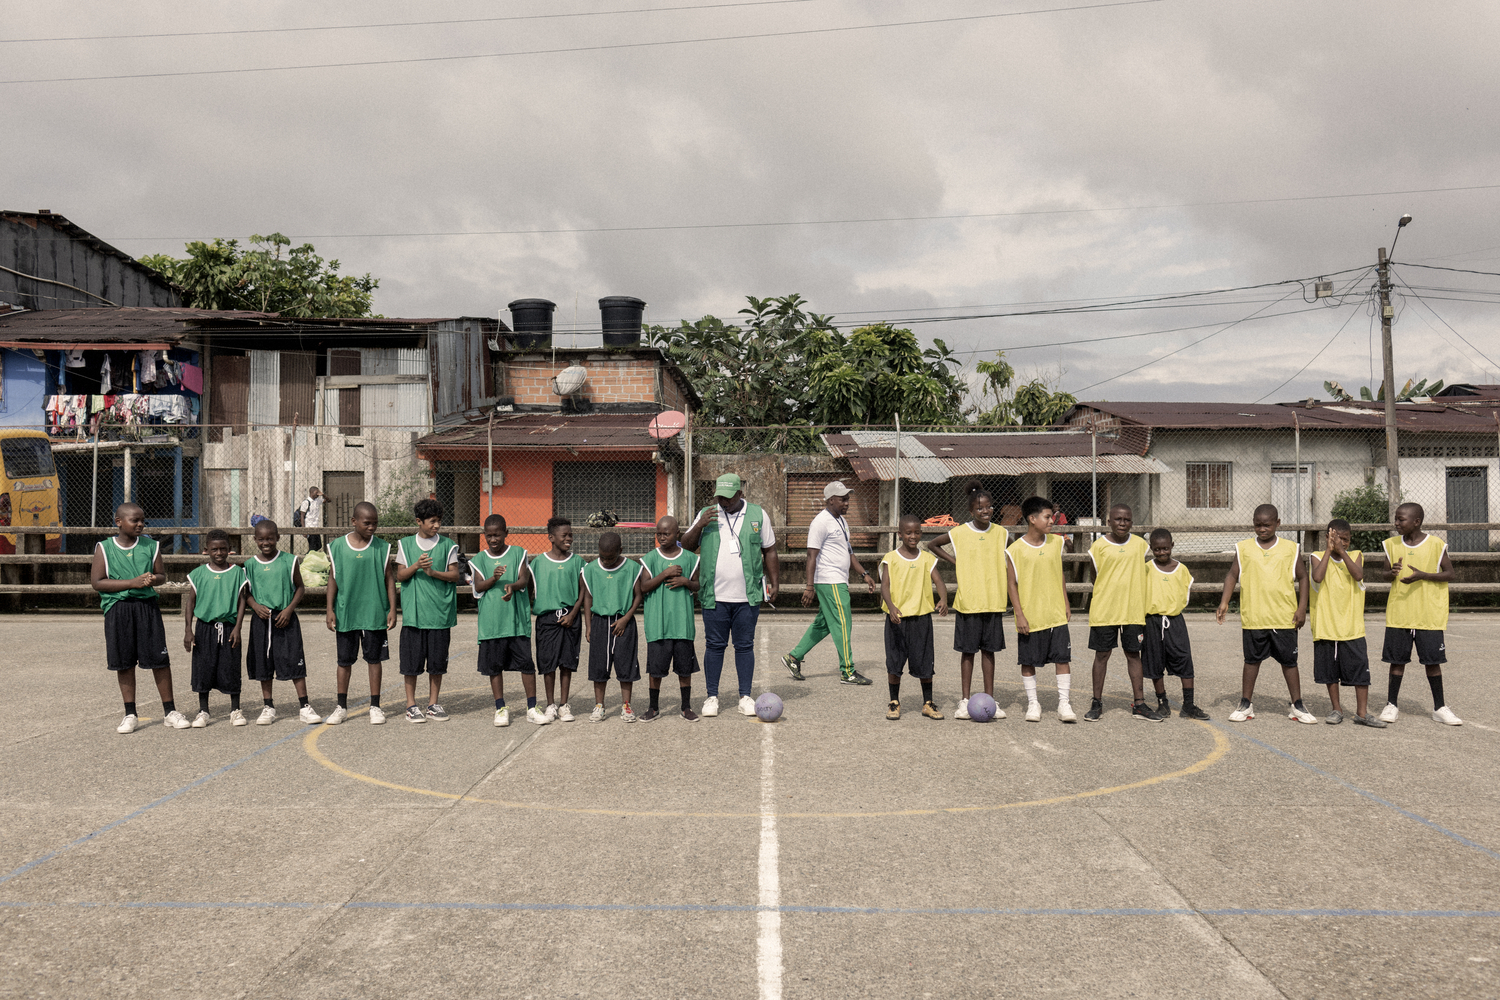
[(1208, 484), (627, 489)]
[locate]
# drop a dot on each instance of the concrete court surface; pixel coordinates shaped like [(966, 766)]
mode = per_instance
[(833, 854)]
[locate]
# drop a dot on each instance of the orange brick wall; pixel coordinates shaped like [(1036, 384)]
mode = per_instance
[(526, 497), (612, 380)]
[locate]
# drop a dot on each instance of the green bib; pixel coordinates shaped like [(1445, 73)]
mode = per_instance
[(501, 619), (361, 603), (669, 612), (556, 582), (611, 591), (123, 564), (271, 582), (425, 602), (216, 593), (751, 557)]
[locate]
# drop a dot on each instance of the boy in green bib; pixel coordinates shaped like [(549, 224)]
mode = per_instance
[(428, 574), (668, 583), (212, 608), (127, 570), (274, 586), (361, 606), (557, 600), (610, 598), (499, 578)]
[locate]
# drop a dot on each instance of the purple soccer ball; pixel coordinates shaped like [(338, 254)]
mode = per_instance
[(981, 707), (768, 707)]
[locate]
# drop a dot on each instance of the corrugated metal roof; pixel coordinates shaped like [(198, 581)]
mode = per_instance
[(1065, 464), (551, 430), (113, 325), (939, 457), (1446, 413)]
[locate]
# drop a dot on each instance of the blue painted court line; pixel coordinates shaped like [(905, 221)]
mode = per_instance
[(859, 911), (1416, 817)]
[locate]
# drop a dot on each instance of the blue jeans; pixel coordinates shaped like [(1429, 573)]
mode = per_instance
[(724, 619)]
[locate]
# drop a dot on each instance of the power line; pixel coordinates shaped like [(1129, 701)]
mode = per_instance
[(1448, 325), (1459, 270), (1315, 357), (400, 24), (587, 48)]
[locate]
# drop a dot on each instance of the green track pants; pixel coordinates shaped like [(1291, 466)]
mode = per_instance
[(833, 619)]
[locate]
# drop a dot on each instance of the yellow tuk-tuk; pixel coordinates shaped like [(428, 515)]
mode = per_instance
[(28, 485)]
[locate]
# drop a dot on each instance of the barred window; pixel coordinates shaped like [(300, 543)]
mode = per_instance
[(1208, 484)]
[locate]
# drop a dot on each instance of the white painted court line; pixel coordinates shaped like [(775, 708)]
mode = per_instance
[(768, 945)]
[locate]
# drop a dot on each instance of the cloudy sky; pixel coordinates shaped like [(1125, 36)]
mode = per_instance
[(887, 159)]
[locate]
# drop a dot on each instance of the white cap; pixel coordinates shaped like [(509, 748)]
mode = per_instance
[(835, 489)]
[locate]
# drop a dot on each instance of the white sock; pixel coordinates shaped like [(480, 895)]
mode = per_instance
[(1029, 683), (1064, 685)]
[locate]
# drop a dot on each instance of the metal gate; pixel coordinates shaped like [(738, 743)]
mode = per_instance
[(1468, 502), (341, 491)]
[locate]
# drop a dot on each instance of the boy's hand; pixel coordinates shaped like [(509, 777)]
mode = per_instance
[(499, 572), (1336, 544), (390, 619), (1219, 615), (568, 619), (1395, 569), (1022, 626), (187, 641), (895, 617), (329, 620), (619, 627), (672, 572), (262, 612), (1414, 575), (284, 619), (942, 607), (424, 562), (1300, 619), (510, 588), (234, 636), (144, 580), (677, 581)]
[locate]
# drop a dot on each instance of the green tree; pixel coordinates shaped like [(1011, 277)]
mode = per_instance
[(1367, 504), (1034, 404), (1408, 391), (268, 276)]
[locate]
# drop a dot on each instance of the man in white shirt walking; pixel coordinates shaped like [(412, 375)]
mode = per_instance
[(312, 516), (830, 557)]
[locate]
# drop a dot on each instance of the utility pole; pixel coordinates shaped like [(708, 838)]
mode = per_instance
[(1392, 462)]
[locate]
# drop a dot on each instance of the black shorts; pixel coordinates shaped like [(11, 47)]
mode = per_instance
[(1107, 637), (981, 631), (374, 643), (1042, 646), (1399, 642), (671, 655), (511, 653), (557, 646), (1341, 661), (607, 651), (216, 664), (909, 645), (1166, 649), (135, 636), (424, 648), (1279, 644), (275, 653)]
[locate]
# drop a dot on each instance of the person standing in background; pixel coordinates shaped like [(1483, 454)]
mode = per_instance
[(312, 516)]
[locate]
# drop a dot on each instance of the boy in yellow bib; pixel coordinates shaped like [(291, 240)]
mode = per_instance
[(979, 604), (1416, 612), (1033, 571), (1337, 610), (1273, 607), (1167, 649), (908, 578), (1117, 611)]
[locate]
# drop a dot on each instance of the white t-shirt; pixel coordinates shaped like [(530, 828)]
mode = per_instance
[(729, 571), (830, 536), (312, 512)]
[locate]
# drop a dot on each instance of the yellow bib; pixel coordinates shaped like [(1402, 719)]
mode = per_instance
[(1169, 591), (1268, 584), (1039, 582), (1119, 582), (1336, 606), (1420, 605), (980, 568), (911, 582)]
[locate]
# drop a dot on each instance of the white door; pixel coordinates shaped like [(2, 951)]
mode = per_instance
[(1291, 492)]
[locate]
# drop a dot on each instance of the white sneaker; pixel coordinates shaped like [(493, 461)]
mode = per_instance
[(1446, 717), (747, 705), (377, 715), (1389, 714), (127, 724), (502, 717), (201, 720), (176, 720), (1000, 712), (1064, 712), (266, 717), (309, 715), (1034, 712), (537, 716), (564, 713), (1243, 714), (710, 707), (1302, 715), (551, 713), (598, 714), (237, 718), (339, 714), (963, 709)]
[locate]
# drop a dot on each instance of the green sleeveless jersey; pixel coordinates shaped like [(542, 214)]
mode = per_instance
[(123, 564), (271, 582), (216, 593), (611, 590), (361, 602), (425, 602), (556, 582), (500, 619), (669, 612)]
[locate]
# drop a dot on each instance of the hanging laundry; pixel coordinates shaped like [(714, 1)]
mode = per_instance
[(104, 375), (192, 378), (145, 368), (75, 359)]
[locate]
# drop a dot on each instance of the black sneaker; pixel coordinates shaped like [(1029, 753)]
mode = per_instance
[(793, 666), (1140, 710), (1194, 712), (852, 676), (649, 715), (1095, 712), (689, 715), (1164, 708)]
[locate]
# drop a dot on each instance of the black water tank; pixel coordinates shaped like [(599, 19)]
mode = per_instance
[(622, 320), (531, 322)]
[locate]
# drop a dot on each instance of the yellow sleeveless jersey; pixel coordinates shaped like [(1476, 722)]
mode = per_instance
[(1336, 607), (1420, 605), (1167, 592), (911, 582), (1268, 584), (1039, 582), (980, 568), (1119, 582)]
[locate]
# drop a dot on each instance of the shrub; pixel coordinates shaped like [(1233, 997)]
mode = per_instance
[(1367, 504)]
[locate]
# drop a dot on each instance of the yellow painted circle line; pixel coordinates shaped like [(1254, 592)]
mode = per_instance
[(1221, 748)]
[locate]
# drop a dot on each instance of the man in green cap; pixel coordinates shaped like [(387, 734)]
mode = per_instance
[(737, 570)]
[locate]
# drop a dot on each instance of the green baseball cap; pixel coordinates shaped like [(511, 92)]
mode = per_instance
[(727, 486)]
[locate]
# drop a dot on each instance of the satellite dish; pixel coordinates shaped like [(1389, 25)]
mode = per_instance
[(569, 380), (667, 424)]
